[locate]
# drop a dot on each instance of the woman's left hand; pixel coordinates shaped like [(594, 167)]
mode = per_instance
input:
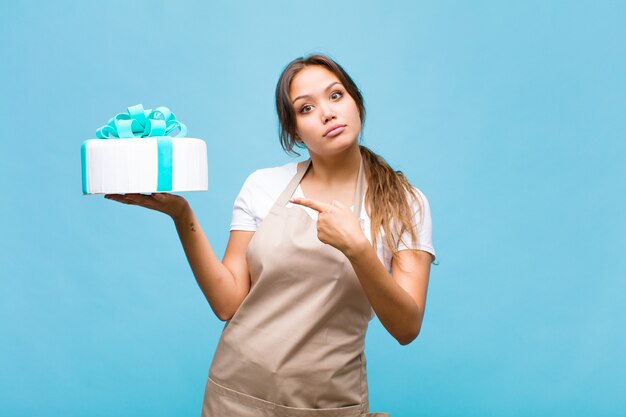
[(336, 224)]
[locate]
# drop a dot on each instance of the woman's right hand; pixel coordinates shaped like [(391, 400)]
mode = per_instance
[(171, 204)]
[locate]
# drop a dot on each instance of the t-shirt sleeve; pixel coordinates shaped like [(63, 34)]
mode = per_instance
[(423, 222), (244, 217)]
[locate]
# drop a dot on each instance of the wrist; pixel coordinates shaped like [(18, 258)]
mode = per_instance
[(183, 213), (357, 249)]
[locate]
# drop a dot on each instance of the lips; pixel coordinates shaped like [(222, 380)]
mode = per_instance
[(334, 129)]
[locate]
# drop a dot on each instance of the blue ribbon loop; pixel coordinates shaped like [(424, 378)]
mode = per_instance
[(140, 123)]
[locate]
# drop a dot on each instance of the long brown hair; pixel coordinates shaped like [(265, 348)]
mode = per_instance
[(389, 195)]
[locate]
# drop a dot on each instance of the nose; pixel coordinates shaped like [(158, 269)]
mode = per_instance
[(327, 113)]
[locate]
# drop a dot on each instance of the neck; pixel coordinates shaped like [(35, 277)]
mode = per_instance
[(336, 169)]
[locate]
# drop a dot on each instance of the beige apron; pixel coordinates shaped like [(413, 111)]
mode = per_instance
[(295, 346)]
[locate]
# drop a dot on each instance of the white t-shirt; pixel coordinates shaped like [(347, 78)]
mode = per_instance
[(263, 187)]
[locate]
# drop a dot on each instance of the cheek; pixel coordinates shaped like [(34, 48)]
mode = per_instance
[(353, 111), (349, 104), (303, 126)]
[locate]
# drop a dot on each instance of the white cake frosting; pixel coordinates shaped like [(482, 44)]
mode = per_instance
[(121, 166)]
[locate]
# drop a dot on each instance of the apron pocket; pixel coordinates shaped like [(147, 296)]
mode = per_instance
[(221, 401)]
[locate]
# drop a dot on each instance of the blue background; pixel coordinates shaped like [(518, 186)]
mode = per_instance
[(509, 116)]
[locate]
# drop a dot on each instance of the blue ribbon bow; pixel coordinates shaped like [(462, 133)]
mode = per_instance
[(139, 123)]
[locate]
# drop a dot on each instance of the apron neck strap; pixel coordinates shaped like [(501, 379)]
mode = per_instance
[(293, 184), (360, 190), (302, 169)]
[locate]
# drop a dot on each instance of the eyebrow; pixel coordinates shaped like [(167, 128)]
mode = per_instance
[(306, 95)]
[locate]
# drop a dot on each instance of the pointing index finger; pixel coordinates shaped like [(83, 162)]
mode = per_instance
[(314, 204)]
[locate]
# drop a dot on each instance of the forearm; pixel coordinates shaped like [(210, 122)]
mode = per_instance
[(396, 309), (214, 279)]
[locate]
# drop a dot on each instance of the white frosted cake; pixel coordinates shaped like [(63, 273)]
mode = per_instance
[(143, 164), (121, 166)]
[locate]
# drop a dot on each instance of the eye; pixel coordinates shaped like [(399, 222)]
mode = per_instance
[(305, 109), (336, 95)]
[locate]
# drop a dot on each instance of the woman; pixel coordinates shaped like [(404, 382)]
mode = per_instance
[(316, 248)]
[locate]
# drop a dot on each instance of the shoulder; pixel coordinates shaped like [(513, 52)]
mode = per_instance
[(266, 184), (270, 181), (273, 174), (419, 201), (258, 193), (423, 222)]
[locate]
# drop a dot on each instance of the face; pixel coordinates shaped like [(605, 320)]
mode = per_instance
[(327, 117)]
